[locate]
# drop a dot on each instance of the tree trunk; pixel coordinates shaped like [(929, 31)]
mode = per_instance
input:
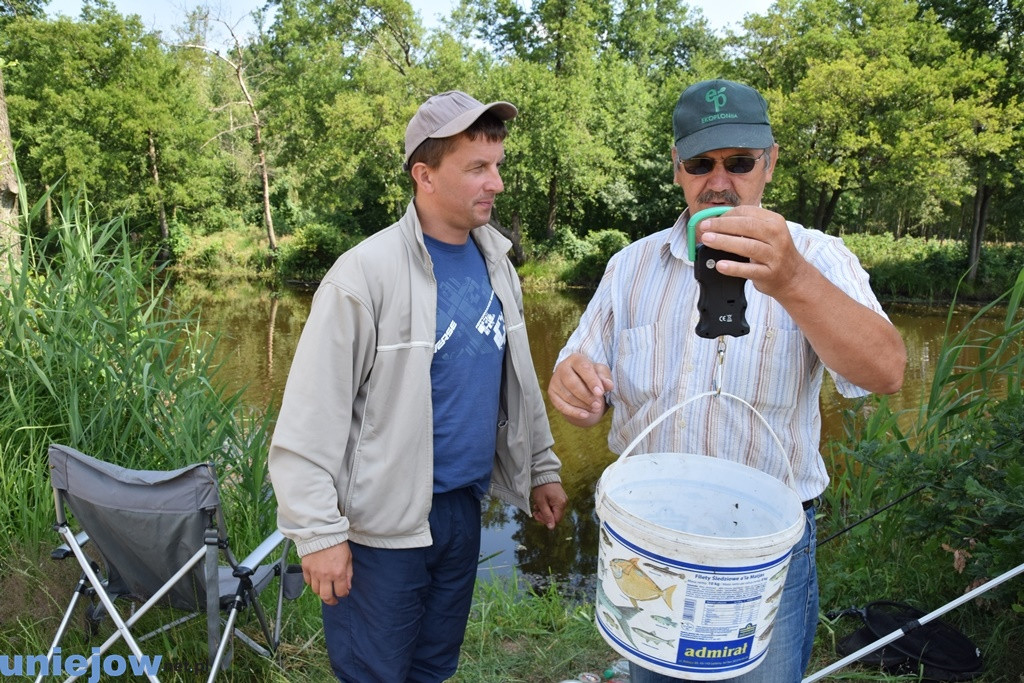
[(801, 202), (268, 220), (552, 203), (825, 209), (830, 209), (979, 219), (514, 234), (165, 232), (10, 238), (239, 69), (820, 208)]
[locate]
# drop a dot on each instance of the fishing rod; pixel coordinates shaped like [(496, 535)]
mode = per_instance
[(910, 626), (899, 500)]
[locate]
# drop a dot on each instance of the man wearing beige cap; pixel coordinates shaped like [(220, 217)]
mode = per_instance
[(642, 347), (412, 394)]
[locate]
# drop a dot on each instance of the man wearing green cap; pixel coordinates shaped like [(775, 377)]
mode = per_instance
[(809, 308)]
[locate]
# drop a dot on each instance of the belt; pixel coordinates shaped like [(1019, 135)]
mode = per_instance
[(813, 502)]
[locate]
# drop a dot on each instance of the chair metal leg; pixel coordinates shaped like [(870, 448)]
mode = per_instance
[(122, 627), (80, 589), (212, 599), (225, 641)]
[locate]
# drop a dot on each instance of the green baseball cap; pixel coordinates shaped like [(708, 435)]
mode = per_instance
[(718, 114)]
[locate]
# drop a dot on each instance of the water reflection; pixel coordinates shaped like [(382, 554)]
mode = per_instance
[(259, 331)]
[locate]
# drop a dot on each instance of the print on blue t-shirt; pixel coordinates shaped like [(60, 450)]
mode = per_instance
[(465, 374)]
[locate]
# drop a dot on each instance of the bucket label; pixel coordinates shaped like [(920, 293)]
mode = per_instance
[(723, 654), (676, 616)]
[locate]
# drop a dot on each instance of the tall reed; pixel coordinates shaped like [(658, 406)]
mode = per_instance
[(953, 469), (92, 357)]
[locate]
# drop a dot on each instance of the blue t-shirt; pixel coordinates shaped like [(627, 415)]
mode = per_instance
[(465, 375)]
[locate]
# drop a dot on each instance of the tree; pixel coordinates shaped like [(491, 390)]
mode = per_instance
[(100, 104), (9, 9), (238, 64), (993, 28), (875, 102), (340, 82), (10, 240), (588, 77)]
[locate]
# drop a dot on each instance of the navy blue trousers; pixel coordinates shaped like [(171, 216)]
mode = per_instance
[(405, 617)]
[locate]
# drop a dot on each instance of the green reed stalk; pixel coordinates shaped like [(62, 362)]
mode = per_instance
[(91, 357), (958, 455)]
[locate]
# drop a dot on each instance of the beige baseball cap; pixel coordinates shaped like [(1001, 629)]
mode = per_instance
[(448, 114)]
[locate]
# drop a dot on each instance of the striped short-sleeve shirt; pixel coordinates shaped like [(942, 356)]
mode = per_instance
[(640, 322)]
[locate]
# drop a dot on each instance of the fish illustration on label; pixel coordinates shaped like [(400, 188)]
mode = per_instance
[(619, 613), (636, 585), (665, 570), (651, 637), (663, 620)]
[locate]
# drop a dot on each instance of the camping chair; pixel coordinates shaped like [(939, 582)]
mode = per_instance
[(161, 535)]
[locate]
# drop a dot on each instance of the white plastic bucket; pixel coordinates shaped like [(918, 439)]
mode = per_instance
[(692, 559)]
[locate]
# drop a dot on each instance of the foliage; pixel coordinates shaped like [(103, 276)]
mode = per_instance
[(893, 116), (947, 481), (598, 248), (310, 253), (926, 269), (101, 105), (567, 245), (874, 100), (237, 253), (339, 86)]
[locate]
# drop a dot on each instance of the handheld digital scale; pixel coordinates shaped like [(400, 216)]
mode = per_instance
[(722, 304)]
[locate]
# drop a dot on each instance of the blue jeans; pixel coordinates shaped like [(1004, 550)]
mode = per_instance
[(789, 651), (405, 618)]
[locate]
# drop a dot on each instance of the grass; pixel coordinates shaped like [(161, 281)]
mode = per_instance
[(518, 636)]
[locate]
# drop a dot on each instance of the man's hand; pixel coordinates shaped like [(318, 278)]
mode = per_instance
[(577, 389), (329, 572), (548, 503), (762, 236)]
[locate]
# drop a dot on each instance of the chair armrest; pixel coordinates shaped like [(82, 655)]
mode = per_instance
[(63, 552), (254, 559)]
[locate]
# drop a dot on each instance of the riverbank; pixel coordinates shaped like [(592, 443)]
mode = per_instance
[(905, 269)]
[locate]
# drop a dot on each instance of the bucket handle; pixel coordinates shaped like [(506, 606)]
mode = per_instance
[(661, 418)]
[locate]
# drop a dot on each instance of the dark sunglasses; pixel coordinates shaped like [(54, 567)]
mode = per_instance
[(739, 164)]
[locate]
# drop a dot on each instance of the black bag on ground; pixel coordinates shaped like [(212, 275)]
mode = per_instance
[(936, 649)]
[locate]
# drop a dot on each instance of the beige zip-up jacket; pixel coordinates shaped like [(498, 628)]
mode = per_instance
[(352, 453)]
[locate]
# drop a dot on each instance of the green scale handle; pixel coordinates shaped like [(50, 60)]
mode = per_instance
[(722, 303)]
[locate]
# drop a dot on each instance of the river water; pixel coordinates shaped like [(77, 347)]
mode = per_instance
[(258, 332)]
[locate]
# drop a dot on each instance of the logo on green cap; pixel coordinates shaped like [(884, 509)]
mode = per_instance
[(717, 97)]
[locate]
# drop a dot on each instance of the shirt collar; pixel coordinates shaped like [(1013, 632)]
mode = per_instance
[(676, 243)]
